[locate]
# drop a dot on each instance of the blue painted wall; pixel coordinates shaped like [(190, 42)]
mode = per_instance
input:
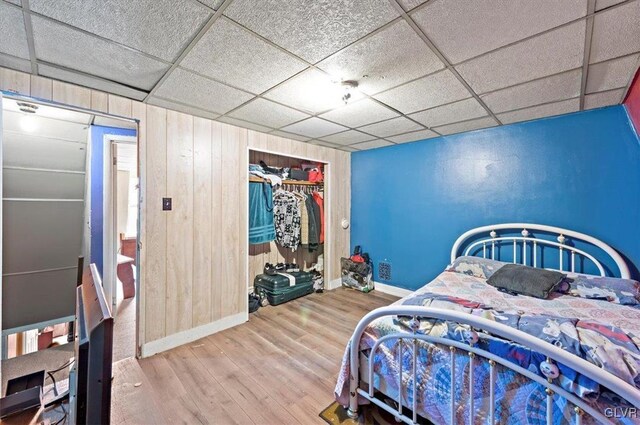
[(579, 171), (97, 186)]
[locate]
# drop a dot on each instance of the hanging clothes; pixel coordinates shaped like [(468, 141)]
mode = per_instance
[(318, 197), (314, 223), (261, 227), (304, 218), (286, 219)]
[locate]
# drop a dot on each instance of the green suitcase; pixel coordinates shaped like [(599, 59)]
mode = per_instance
[(278, 289)]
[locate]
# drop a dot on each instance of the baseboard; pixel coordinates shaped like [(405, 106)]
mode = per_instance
[(333, 284), (185, 337), (392, 290)]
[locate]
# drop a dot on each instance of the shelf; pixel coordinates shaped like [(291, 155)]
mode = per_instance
[(257, 179)]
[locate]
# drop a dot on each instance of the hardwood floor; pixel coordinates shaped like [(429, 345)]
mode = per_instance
[(278, 368)]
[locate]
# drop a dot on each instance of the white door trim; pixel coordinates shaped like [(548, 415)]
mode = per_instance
[(109, 230)]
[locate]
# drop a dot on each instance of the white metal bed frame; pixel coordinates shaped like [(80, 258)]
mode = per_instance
[(554, 354)]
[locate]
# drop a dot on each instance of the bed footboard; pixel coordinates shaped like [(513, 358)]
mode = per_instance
[(554, 355)]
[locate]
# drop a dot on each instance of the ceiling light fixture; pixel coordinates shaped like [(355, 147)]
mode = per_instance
[(348, 86)]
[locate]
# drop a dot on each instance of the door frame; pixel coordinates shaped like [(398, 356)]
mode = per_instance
[(109, 217), (328, 233), (95, 113)]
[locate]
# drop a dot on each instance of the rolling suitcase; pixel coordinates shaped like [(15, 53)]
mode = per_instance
[(283, 287)]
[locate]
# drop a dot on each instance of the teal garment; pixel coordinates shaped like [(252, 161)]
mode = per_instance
[(261, 228)]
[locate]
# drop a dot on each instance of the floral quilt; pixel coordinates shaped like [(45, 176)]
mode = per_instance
[(597, 329)]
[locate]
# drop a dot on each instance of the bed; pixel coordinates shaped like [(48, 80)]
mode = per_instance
[(481, 356)]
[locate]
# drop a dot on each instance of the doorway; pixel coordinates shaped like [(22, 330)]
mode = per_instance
[(47, 152), (120, 235)]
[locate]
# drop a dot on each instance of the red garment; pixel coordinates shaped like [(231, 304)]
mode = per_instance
[(318, 198)]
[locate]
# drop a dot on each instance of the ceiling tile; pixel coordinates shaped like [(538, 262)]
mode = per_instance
[(61, 45), (311, 91), (314, 127), (389, 58), (234, 56), (162, 28), (244, 124), (410, 4), (347, 148), (413, 136), (90, 81), (265, 112), (14, 36), (607, 98), (214, 4), (611, 74), (550, 53), (348, 137), (13, 62), (465, 29), (540, 111), (616, 32), (312, 29), (360, 113), (434, 90), (187, 87), (378, 143), (603, 4), (467, 126), (391, 127), (453, 112), (290, 136), (545, 90), (164, 103), (16, 2)]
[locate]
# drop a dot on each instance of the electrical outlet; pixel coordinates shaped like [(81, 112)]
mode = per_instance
[(166, 204)]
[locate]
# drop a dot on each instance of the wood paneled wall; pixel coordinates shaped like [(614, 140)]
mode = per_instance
[(194, 259)]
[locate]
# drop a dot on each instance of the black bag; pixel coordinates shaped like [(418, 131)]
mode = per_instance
[(296, 174), (254, 303)]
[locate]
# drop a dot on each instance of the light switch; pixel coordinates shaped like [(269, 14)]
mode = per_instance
[(166, 204)]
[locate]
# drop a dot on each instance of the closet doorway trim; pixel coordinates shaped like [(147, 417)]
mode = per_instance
[(328, 206)]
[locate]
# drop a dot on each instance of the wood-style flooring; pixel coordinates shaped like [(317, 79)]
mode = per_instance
[(278, 368)]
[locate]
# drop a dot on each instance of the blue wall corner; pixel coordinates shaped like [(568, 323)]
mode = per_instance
[(579, 171), (97, 186)]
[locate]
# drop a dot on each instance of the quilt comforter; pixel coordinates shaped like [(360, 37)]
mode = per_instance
[(599, 331)]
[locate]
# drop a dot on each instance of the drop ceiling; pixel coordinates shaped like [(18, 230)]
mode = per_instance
[(424, 68)]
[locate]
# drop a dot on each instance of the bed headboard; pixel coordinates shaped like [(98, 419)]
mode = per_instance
[(528, 247)]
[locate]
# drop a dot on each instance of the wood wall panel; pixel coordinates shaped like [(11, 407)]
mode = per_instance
[(14, 81), (71, 95), (234, 187), (155, 245), (99, 101), (208, 224), (202, 216), (180, 222), (217, 229), (119, 105), (41, 87)]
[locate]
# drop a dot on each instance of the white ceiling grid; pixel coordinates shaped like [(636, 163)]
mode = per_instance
[(425, 67)]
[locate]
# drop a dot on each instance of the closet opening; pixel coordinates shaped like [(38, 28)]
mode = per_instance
[(288, 232)]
